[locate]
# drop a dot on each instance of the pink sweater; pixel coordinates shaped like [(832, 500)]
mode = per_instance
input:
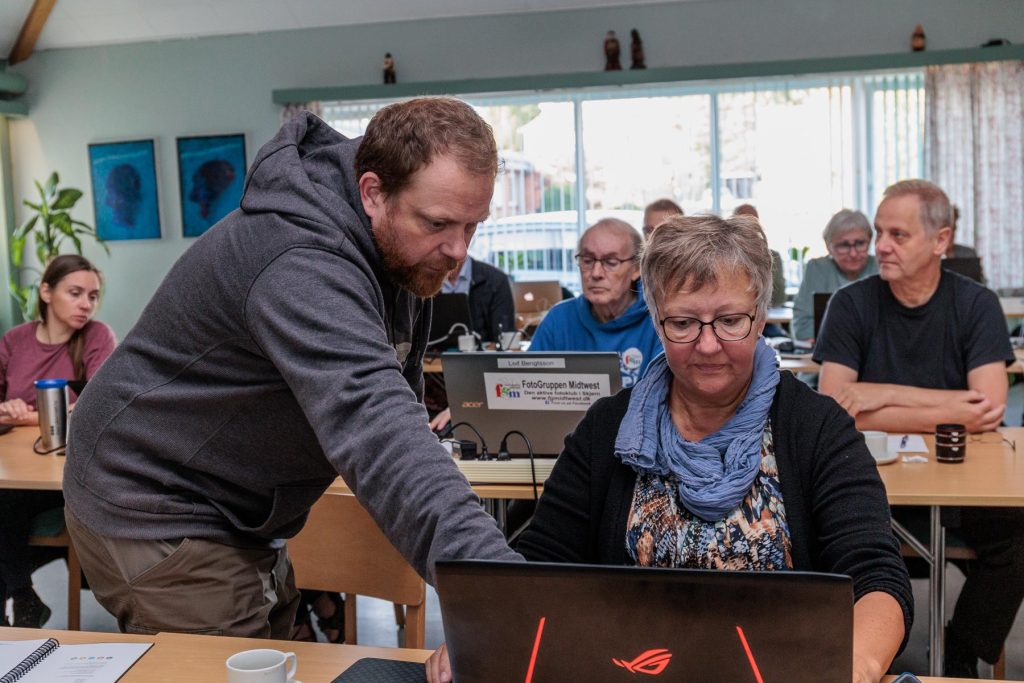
[(24, 359)]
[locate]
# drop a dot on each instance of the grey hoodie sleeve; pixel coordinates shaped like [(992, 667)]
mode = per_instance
[(316, 315)]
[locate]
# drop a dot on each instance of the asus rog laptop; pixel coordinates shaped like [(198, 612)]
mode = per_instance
[(542, 394), (548, 623)]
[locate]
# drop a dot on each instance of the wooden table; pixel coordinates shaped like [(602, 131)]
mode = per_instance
[(780, 315), (992, 475), (1013, 306), (176, 657), (20, 468)]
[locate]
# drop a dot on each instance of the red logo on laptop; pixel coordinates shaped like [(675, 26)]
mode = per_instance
[(652, 662)]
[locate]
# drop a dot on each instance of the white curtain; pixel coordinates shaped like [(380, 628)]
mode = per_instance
[(975, 152)]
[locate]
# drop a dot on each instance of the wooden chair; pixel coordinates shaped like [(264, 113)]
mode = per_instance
[(48, 531), (957, 551), (342, 550)]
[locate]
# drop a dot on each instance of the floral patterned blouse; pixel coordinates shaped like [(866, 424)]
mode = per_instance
[(660, 532)]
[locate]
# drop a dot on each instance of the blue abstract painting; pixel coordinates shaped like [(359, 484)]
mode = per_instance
[(211, 173), (124, 192)]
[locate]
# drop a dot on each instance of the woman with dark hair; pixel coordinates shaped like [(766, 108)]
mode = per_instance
[(64, 343)]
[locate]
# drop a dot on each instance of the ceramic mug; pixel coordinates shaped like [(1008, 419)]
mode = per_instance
[(878, 444), (261, 666)]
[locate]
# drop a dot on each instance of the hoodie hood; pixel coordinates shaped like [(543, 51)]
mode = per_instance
[(307, 171)]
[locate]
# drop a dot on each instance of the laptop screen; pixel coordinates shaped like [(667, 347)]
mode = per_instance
[(533, 297), (820, 306), (542, 394), (449, 310), (539, 622)]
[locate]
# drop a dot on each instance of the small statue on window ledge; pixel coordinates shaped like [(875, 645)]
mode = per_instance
[(611, 53), (917, 39), (389, 68), (636, 51)]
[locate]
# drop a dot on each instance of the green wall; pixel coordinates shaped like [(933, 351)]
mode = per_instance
[(224, 85)]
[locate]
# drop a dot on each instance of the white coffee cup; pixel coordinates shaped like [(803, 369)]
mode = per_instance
[(509, 341), (261, 666), (878, 444), (467, 342)]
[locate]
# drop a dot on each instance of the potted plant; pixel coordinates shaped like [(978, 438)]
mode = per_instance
[(51, 225)]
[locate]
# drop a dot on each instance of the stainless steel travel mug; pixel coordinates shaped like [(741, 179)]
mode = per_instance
[(52, 405)]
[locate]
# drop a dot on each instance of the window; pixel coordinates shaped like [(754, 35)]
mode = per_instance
[(798, 149)]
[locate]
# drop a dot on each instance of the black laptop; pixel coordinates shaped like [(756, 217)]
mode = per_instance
[(450, 311), (545, 623), (821, 300), (968, 266)]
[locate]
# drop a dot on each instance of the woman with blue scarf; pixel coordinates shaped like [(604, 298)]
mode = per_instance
[(715, 459)]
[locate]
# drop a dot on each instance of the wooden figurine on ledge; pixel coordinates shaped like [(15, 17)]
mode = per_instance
[(636, 51), (611, 53), (389, 68), (917, 39)]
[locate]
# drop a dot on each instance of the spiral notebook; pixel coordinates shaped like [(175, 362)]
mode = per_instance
[(46, 660)]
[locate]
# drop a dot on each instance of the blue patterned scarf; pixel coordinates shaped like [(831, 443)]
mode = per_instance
[(716, 472)]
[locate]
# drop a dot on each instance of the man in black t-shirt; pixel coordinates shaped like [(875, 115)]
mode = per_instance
[(916, 346)]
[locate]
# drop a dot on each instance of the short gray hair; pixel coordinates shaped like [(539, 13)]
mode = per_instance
[(690, 251), (622, 227), (845, 220), (935, 211)]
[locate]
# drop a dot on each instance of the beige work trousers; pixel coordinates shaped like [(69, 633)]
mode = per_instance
[(189, 585)]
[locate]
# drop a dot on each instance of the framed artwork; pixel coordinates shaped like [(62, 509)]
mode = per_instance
[(211, 174), (124, 190)]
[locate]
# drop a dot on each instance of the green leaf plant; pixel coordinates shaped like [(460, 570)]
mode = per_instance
[(51, 226)]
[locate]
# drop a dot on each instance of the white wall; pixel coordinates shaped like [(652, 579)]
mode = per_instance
[(223, 85)]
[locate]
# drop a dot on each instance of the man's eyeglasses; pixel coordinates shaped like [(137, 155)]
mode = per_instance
[(730, 327), (586, 261), (848, 247)]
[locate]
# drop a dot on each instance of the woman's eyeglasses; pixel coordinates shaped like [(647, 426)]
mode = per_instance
[(848, 247), (731, 327), (587, 262)]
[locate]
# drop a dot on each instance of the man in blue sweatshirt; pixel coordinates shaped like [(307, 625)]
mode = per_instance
[(611, 315)]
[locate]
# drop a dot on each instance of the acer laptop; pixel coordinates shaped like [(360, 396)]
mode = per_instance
[(542, 394), (548, 623), (449, 310), (534, 297)]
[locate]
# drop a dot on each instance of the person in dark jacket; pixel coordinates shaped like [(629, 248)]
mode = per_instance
[(283, 348), (715, 459)]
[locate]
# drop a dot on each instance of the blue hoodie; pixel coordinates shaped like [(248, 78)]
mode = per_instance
[(571, 326)]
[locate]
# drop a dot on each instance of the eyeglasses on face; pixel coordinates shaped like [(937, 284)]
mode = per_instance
[(847, 247), (587, 261), (728, 327)]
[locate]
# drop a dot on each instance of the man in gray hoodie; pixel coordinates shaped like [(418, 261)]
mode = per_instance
[(283, 348)]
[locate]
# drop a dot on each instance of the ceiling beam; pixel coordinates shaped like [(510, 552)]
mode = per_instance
[(30, 31)]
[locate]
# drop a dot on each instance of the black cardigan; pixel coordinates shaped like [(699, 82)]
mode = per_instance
[(835, 501)]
